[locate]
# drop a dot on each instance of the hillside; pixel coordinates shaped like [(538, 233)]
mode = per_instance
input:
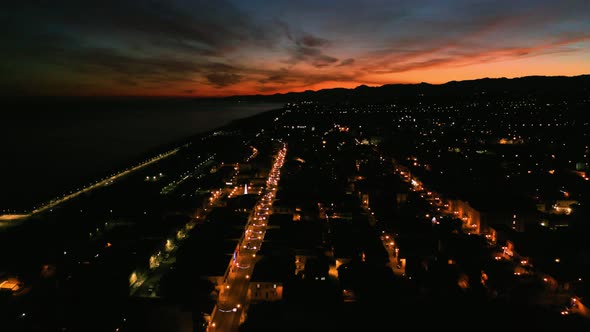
[(539, 87)]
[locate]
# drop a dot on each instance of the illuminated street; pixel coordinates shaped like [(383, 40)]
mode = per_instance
[(57, 201), (232, 304)]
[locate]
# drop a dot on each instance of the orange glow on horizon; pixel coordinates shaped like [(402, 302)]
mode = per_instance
[(240, 48), (349, 78)]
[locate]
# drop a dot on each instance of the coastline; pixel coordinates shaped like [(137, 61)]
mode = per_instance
[(17, 211)]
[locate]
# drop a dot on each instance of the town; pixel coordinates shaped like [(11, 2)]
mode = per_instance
[(325, 216)]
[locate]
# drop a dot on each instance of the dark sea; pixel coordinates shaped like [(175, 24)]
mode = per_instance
[(48, 147)]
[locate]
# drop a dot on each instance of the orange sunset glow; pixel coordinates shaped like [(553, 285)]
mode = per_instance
[(257, 47)]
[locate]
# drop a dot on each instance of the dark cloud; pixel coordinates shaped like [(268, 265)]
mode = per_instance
[(181, 44), (307, 48), (323, 60), (281, 76), (308, 40), (127, 82), (311, 55), (222, 80), (200, 26), (428, 58), (297, 79), (123, 67), (132, 42), (346, 62)]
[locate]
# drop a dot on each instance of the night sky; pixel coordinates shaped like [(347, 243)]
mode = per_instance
[(222, 47)]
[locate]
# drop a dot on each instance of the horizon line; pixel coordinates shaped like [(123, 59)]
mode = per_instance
[(210, 97)]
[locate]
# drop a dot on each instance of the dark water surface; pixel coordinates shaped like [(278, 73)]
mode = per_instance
[(49, 147)]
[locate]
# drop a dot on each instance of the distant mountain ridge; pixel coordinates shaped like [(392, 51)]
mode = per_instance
[(540, 87)]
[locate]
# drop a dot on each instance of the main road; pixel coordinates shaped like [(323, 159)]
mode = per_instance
[(232, 303)]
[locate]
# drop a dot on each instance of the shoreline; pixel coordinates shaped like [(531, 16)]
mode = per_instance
[(12, 214)]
